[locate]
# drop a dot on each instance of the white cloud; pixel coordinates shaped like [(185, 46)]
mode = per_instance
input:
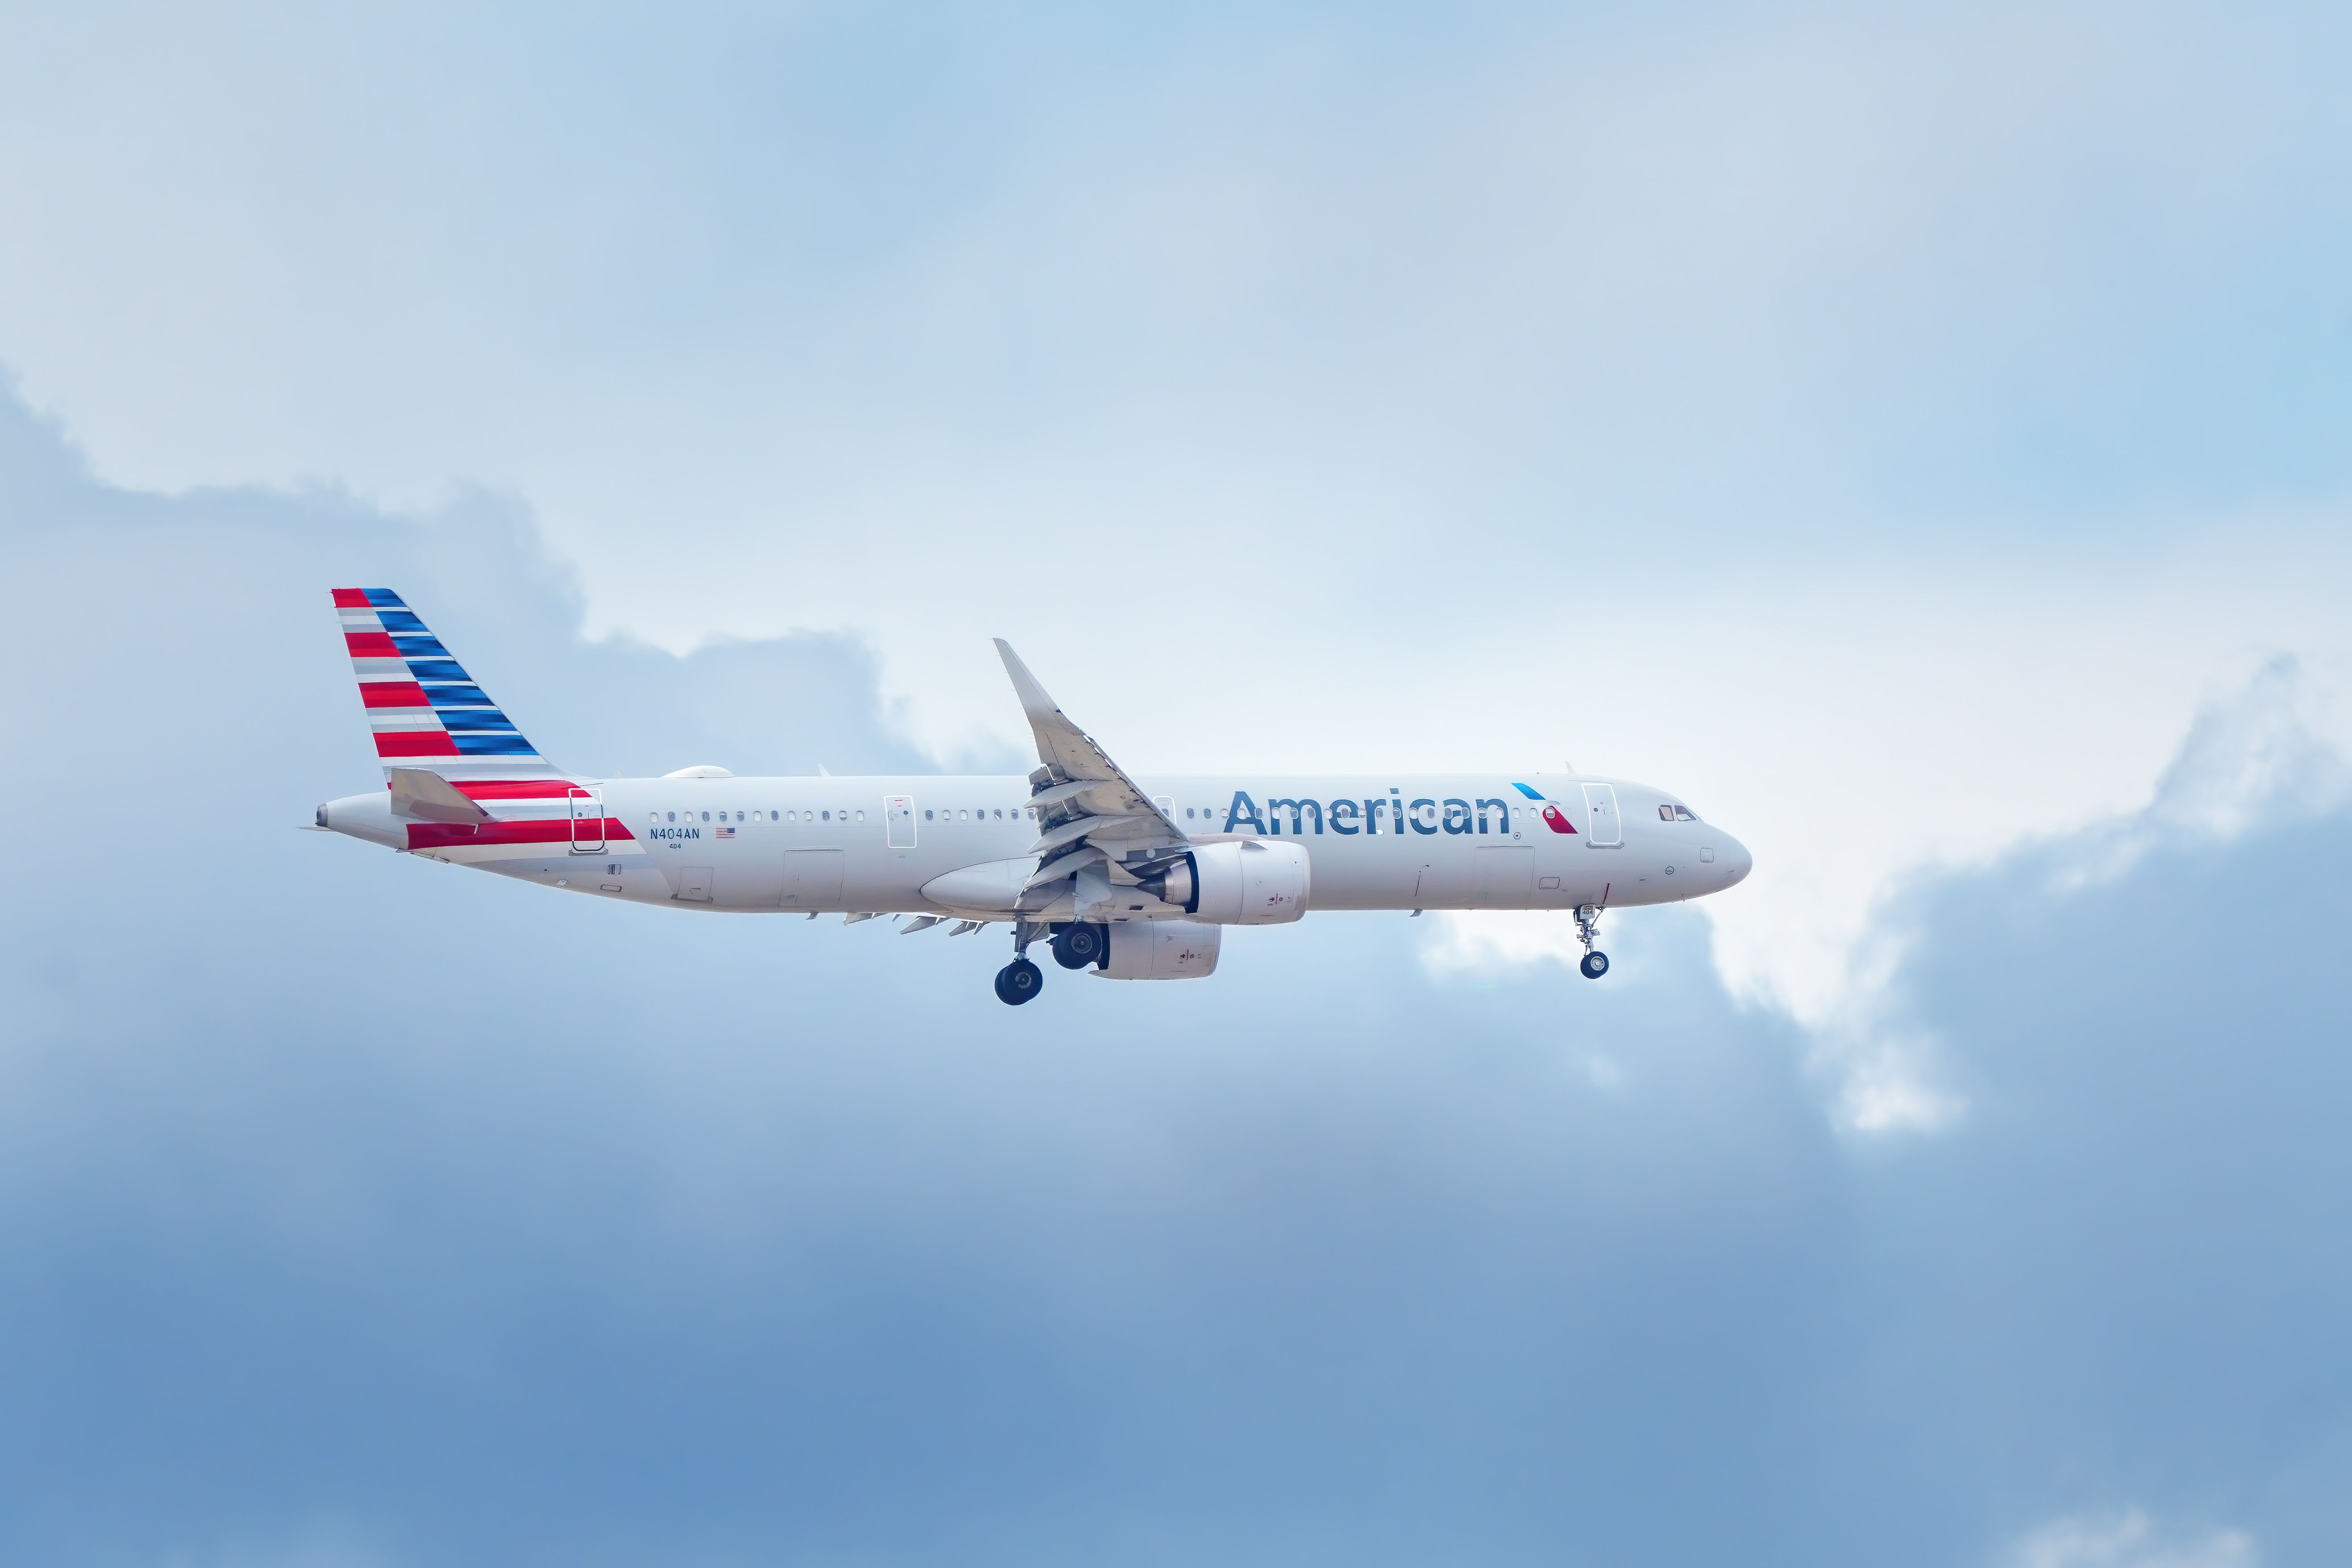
[(2127, 1540)]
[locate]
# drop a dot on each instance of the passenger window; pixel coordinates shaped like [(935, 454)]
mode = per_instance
[(673, 816), (926, 816), (861, 816)]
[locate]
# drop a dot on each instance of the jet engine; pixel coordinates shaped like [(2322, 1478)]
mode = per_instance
[(1247, 882), (1160, 949)]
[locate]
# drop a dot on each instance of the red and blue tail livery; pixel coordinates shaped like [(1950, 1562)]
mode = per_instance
[(425, 710)]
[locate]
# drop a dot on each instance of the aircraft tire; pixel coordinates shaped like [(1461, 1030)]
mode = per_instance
[(1595, 965), (1078, 945), (1018, 982)]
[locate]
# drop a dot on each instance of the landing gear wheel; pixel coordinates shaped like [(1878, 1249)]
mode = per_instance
[(1595, 963), (1019, 981), (1076, 946)]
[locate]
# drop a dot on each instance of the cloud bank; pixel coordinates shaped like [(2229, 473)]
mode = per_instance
[(360, 1211)]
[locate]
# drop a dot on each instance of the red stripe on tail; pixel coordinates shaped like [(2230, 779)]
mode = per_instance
[(414, 743)]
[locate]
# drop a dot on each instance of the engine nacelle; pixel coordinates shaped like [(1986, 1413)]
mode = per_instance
[(1160, 949), (1247, 882)]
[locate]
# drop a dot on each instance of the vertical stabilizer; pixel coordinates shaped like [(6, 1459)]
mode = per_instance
[(424, 710)]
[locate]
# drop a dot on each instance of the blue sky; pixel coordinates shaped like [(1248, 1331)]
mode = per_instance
[(1916, 437)]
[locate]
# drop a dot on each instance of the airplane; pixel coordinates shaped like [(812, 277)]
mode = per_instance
[(1126, 879)]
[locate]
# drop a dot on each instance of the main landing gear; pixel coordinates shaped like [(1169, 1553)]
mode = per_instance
[(1078, 945), (1020, 980), (1595, 963)]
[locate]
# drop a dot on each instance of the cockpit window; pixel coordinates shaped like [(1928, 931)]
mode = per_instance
[(1670, 812)]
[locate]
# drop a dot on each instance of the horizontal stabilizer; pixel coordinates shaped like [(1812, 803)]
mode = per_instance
[(426, 796)]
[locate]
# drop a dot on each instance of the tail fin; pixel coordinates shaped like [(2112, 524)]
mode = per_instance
[(425, 711)]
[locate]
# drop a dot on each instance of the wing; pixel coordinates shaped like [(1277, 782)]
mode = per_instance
[(1097, 829)]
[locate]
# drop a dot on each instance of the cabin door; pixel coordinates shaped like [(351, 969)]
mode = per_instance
[(587, 822), (1602, 830)]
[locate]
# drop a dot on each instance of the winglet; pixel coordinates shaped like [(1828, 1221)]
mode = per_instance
[(1033, 701)]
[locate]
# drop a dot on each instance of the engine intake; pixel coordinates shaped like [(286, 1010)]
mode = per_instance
[(1248, 882)]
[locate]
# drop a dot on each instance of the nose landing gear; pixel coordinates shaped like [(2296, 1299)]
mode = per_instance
[(1595, 963)]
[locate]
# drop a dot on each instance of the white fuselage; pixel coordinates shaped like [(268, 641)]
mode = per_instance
[(816, 845)]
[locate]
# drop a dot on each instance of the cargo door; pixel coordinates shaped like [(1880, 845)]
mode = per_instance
[(693, 884), (1505, 877), (813, 878)]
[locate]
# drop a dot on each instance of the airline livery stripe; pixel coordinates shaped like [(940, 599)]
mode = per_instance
[(415, 743), (521, 789), (393, 694), (371, 645), (440, 835)]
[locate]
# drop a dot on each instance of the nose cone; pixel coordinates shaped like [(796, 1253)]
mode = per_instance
[(1736, 861)]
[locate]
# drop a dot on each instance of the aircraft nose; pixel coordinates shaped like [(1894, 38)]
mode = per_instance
[(1737, 862)]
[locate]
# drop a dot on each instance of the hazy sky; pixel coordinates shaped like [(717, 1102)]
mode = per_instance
[(1917, 437)]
